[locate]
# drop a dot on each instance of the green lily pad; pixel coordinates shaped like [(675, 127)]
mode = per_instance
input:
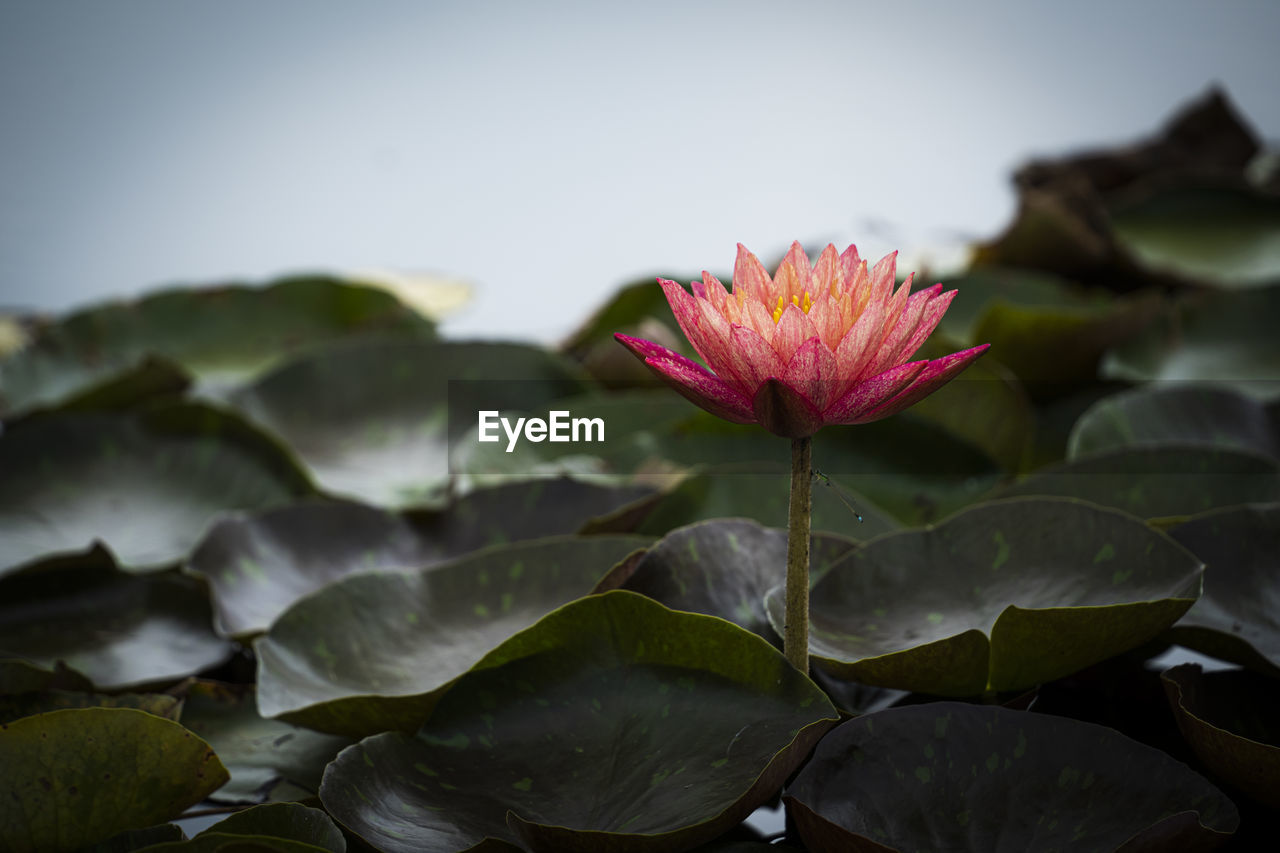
[(1226, 236), (25, 704), (613, 723), (220, 335), (724, 567), (373, 652), (80, 776), (1238, 615), (118, 629), (1159, 482), (147, 485), (264, 757), (276, 821), (375, 421), (1224, 338), (728, 491), (1000, 597), (1229, 719), (1050, 334), (956, 777), (1178, 414), (257, 565)]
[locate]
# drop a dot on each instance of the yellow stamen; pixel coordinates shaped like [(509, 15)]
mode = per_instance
[(795, 300), (777, 312)]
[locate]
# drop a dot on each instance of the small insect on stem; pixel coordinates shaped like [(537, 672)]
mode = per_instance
[(837, 490)]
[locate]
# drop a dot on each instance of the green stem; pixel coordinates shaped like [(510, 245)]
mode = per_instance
[(795, 639)]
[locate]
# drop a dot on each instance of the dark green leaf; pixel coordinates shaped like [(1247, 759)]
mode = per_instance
[(1175, 414), (118, 629), (1002, 596), (26, 704), (373, 652), (80, 776), (613, 723), (257, 565), (1238, 616), (1226, 236), (1229, 719), (263, 756), (221, 335), (375, 421), (955, 777), (286, 821), (724, 567), (1160, 482), (146, 485)]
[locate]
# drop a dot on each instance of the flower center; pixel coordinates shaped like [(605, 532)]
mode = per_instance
[(795, 300)]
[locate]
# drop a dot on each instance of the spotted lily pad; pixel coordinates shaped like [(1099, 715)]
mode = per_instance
[(1229, 719), (999, 597), (956, 777), (120, 630), (1238, 616), (15, 707), (613, 723), (1176, 414), (266, 758), (724, 567), (1227, 236), (221, 335), (375, 421), (374, 651), (79, 776), (147, 485), (1160, 482), (257, 565)]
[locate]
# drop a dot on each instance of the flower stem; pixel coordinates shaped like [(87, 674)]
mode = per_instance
[(795, 640)]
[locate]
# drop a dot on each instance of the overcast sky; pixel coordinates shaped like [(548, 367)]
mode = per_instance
[(548, 151)]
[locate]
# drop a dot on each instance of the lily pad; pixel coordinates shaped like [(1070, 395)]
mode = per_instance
[(724, 567), (1228, 236), (956, 777), (1000, 597), (77, 777), (613, 723), (273, 821), (374, 651), (25, 704), (730, 492), (264, 757), (375, 421), (1159, 482), (20, 676), (118, 629), (221, 335), (1238, 616), (1051, 334), (1220, 337), (1176, 414), (1229, 720), (147, 485), (257, 565)]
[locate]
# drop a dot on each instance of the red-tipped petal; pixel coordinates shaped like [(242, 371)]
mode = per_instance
[(696, 327), (868, 394), (755, 359), (692, 380), (937, 373), (813, 373), (794, 328), (784, 411)]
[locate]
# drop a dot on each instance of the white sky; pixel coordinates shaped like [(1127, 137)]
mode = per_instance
[(548, 151)]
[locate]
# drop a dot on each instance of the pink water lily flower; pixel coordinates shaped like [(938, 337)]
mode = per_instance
[(816, 344)]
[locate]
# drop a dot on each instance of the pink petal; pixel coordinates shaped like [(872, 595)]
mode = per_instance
[(825, 317), (755, 359), (933, 311), (811, 371), (750, 275), (855, 349), (784, 411), (825, 271), (799, 261), (939, 372), (688, 312), (890, 352), (692, 380), (794, 328), (870, 393), (715, 291)]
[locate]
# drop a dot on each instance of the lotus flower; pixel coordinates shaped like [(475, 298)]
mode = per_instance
[(816, 344)]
